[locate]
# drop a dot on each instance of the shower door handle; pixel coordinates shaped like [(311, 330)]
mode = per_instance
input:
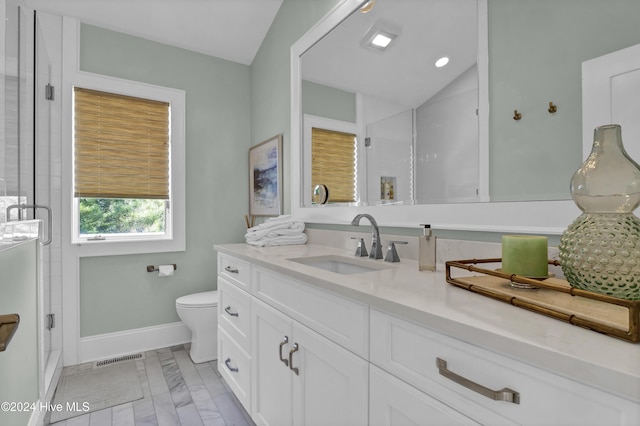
[(34, 206)]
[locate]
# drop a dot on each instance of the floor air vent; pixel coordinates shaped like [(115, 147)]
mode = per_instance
[(106, 362)]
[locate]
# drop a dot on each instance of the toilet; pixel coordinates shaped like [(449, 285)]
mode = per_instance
[(199, 312)]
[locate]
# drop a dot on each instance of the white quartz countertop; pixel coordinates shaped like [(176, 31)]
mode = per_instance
[(426, 298)]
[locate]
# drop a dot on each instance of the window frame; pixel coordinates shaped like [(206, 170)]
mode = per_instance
[(311, 121), (174, 237)]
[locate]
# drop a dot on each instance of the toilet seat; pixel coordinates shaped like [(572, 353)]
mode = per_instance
[(205, 299)]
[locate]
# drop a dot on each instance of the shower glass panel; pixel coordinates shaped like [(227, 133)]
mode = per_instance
[(389, 158), (43, 160), (30, 169)]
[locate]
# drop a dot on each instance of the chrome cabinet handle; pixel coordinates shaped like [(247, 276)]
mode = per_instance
[(227, 362), (231, 269), (291, 367), (285, 340), (505, 394), (228, 311)]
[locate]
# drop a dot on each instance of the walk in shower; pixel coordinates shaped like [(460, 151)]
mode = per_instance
[(30, 169)]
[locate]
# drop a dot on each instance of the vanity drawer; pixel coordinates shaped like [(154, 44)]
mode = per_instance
[(393, 402), (410, 352), (237, 271), (234, 312), (234, 364), (344, 321)]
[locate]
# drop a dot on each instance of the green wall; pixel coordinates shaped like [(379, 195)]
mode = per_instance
[(328, 102), (230, 107), (270, 77), (116, 292), (536, 50)]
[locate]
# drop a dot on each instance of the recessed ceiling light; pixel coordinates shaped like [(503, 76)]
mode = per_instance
[(442, 62)]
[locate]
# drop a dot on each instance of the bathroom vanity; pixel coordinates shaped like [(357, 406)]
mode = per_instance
[(304, 340)]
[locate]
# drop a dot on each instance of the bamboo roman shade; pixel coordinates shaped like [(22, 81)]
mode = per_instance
[(121, 147), (333, 163)]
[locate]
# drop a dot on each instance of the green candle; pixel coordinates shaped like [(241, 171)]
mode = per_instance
[(525, 255)]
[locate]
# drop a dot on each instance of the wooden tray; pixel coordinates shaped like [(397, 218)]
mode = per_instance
[(8, 326), (554, 298)]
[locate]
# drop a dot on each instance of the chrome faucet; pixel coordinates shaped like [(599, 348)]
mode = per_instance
[(376, 245)]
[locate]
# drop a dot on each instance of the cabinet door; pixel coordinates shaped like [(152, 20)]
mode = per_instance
[(394, 403), (271, 384), (331, 385)]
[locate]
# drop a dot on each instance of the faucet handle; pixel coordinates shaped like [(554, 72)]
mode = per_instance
[(392, 254), (361, 250)]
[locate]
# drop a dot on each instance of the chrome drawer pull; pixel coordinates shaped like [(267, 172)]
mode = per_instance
[(505, 394), (285, 340), (231, 269), (295, 349), (228, 311), (227, 362)]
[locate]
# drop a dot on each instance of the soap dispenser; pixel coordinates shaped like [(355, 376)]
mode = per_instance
[(427, 250)]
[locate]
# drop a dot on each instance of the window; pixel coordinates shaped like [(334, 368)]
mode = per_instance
[(334, 163), (128, 164), (121, 164)]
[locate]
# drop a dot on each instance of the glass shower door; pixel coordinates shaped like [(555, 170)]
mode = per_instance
[(31, 163)]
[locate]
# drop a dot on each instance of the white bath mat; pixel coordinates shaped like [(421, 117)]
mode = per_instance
[(95, 389)]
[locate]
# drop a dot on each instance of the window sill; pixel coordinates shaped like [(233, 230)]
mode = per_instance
[(84, 248)]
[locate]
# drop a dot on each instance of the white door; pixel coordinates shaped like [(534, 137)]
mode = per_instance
[(271, 389), (331, 384), (610, 88)]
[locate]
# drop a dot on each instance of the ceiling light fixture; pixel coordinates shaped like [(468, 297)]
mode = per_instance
[(381, 40), (380, 36), (442, 62)]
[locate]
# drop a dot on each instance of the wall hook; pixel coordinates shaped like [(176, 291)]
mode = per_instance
[(516, 115), (552, 108)]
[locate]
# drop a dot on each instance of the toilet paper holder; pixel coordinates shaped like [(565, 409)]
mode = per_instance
[(151, 268)]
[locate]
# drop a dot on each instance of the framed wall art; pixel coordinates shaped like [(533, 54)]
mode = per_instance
[(265, 178)]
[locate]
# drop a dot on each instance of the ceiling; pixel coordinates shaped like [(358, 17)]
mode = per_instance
[(404, 73), (227, 29)]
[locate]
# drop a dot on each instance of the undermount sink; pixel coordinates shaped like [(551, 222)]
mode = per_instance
[(340, 264)]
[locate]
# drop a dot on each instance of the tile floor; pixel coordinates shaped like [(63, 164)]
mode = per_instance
[(177, 392)]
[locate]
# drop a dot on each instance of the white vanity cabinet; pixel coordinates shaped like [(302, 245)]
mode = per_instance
[(303, 378), (329, 349), (468, 378), (306, 348)]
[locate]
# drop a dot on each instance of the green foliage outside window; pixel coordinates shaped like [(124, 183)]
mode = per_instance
[(121, 216)]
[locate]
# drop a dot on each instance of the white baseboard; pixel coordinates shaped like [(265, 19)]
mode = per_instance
[(95, 348)]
